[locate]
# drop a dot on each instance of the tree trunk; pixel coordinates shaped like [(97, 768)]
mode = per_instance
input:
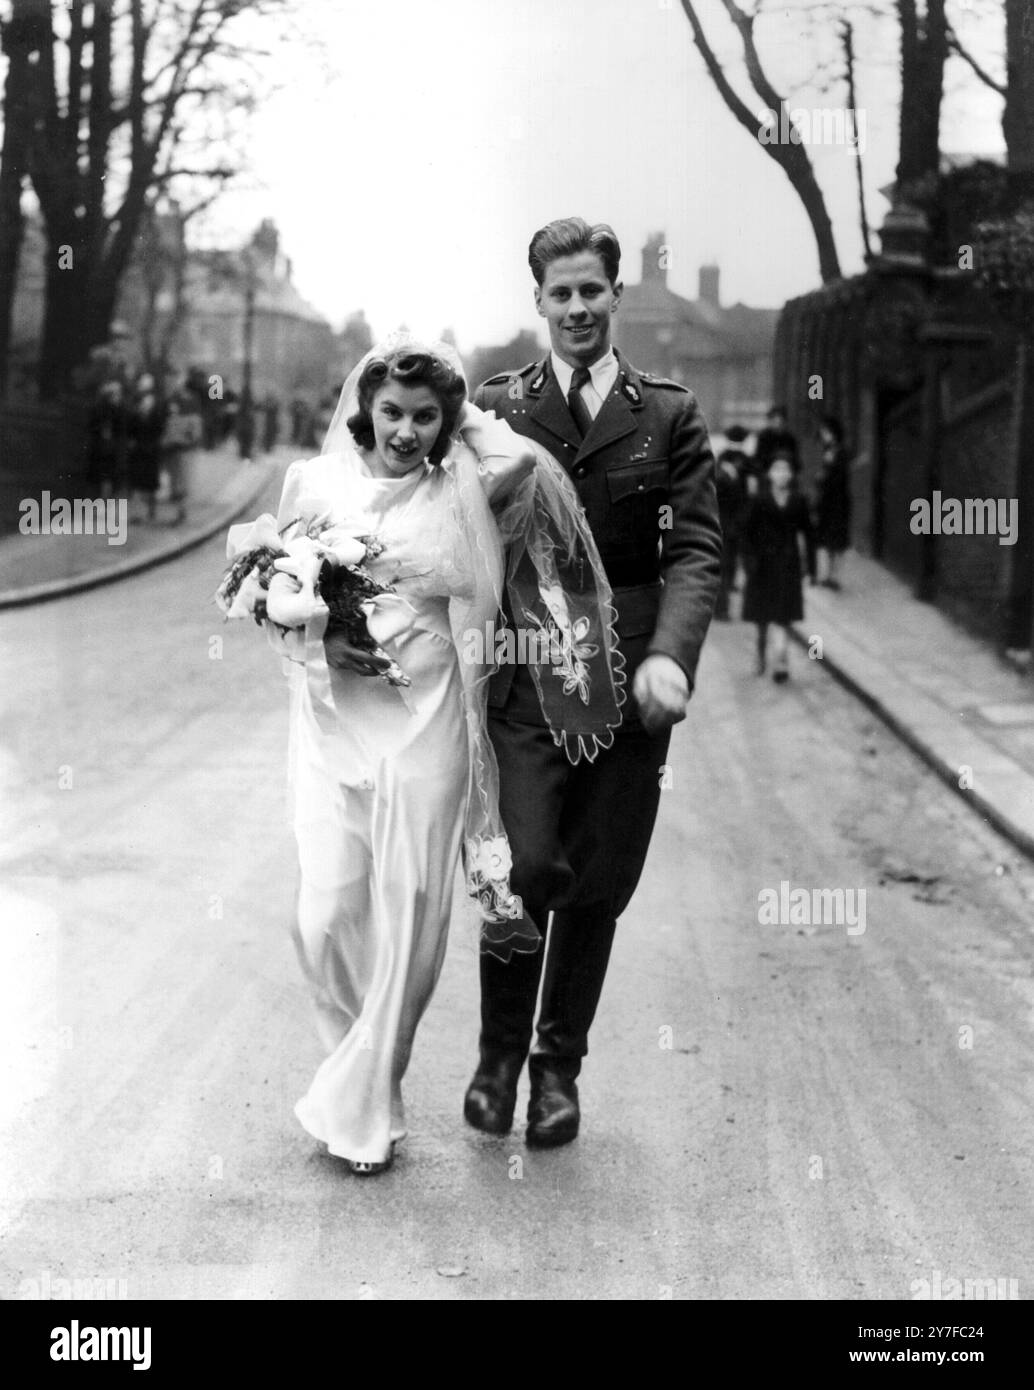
[(177, 314), (21, 38), (805, 185), (1018, 115), (924, 51), (12, 226), (64, 345)]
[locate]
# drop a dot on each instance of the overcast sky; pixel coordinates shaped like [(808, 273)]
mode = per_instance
[(408, 165)]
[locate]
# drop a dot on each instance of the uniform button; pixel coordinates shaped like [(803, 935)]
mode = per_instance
[(641, 487), (366, 784), (579, 472)]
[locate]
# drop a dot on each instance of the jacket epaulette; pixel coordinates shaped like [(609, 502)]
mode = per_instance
[(652, 380), (502, 377)]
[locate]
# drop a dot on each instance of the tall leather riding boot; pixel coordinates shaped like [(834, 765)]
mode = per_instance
[(579, 949), (508, 994), (576, 966)]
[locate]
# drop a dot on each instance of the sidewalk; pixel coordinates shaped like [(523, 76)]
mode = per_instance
[(947, 694), (220, 486)]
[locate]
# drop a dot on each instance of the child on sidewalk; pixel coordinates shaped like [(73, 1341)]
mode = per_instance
[(777, 520)]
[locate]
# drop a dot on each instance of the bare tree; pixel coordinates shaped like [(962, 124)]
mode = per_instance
[(790, 155), (112, 92)]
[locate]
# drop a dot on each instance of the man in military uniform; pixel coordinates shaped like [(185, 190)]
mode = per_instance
[(637, 450)]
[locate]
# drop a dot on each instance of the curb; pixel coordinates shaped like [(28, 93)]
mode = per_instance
[(159, 555), (1016, 834)]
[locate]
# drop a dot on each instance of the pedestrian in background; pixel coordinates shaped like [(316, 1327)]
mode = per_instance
[(833, 501), (146, 428), (732, 500), (738, 438), (228, 414), (183, 432), (775, 438), (299, 411), (777, 522), (323, 418), (108, 440), (270, 422)]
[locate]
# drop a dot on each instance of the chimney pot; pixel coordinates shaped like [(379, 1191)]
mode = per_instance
[(708, 281), (709, 285)]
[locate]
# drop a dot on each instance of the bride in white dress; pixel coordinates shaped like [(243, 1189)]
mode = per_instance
[(390, 782)]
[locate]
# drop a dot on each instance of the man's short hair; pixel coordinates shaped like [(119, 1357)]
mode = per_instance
[(567, 236)]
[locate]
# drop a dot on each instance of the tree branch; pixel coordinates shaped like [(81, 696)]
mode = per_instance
[(788, 153), (739, 108), (955, 45), (758, 77)]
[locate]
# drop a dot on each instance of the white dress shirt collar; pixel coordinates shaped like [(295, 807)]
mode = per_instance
[(602, 374)]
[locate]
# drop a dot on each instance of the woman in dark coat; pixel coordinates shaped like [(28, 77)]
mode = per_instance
[(108, 429), (833, 500), (776, 522), (146, 427)]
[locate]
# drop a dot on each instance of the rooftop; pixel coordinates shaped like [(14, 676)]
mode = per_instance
[(705, 326)]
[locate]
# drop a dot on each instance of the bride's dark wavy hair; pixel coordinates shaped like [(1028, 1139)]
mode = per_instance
[(410, 368)]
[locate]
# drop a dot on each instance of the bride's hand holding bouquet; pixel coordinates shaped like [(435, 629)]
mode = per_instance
[(290, 580)]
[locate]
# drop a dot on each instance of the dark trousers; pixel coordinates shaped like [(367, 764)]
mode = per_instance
[(579, 837)]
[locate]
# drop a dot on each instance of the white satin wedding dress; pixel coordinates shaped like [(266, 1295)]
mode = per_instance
[(379, 801)]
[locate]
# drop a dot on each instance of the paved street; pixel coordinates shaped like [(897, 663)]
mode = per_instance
[(772, 1111)]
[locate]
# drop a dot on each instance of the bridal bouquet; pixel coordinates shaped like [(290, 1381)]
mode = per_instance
[(286, 576)]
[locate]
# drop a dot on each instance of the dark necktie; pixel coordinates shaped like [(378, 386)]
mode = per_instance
[(576, 401)]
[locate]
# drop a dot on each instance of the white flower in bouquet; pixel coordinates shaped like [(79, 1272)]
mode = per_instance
[(292, 599), (288, 582), (250, 592), (349, 550)]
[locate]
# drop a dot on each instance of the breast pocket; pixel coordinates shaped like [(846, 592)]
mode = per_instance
[(636, 493)]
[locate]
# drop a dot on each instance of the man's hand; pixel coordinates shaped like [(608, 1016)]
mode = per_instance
[(661, 691), (344, 657)]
